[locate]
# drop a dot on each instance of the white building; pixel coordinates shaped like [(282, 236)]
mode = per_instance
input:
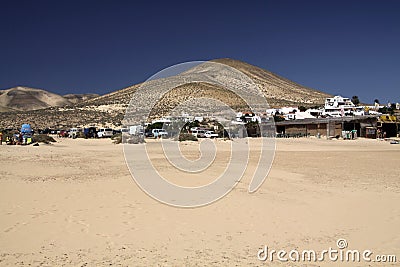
[(281, 111), (247, 117), (299, 115), (339, 106), (316, 113)]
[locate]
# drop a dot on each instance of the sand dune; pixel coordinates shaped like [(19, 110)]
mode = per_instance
[(74, 203)]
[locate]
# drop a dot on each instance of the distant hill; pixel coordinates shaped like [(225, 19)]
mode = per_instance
[(76, 98), (109, 109), (26, 98)]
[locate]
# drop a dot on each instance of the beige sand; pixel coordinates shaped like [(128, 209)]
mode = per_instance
[(74, 203)]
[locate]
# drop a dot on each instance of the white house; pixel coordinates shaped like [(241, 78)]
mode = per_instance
[(339, 106), (247, 117)]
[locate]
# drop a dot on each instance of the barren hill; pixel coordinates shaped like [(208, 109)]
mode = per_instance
[(25, 98), (278, 90)]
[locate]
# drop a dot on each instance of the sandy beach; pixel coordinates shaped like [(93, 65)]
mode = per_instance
[(75, 203)]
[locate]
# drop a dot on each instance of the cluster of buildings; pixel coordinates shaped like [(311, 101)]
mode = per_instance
[(335, 107), (339, 117)]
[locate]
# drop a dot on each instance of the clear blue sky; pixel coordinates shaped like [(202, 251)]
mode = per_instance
[(341, 47)]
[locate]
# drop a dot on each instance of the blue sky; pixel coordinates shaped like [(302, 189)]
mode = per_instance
[(340, 47)]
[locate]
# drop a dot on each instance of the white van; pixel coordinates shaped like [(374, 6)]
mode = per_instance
[(105, 132), (159, 133)]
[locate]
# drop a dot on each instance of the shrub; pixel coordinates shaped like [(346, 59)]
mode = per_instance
[(278, 118), (187, 137), (128, 139), (43, 138), (117, 138), (355, 100), (80, 135), (302, 108), (386, 110)]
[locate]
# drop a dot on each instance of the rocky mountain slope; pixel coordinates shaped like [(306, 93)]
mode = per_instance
[(278, 90)]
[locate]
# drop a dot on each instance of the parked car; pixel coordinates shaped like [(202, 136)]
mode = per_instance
[(73, 132), (211, 134), (105, 132), (158, 133), (148, 133), (62, 133), (199, 133)]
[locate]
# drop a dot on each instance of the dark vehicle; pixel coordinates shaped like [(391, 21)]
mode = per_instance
[(148, 133), (63, 133), (44, 131), (90, 132)]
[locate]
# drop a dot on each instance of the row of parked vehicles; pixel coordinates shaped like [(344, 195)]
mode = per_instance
[(94, 132), (203, 133), (197, 132), (90, 132), (162, 133)]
